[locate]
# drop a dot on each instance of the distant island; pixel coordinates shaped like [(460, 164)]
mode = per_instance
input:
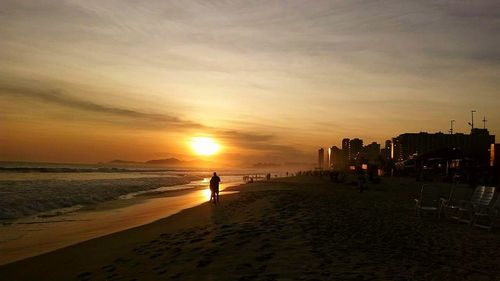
[(165, 162), (170, 161), (266, 165), (124, 162)]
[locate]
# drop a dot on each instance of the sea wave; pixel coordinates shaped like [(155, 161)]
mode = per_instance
[(23, 198), (77, 170)]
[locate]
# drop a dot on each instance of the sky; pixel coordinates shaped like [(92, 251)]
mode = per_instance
[(271, 81)]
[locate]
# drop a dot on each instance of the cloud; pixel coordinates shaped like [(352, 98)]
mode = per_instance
[(60, 98), (245, 140)]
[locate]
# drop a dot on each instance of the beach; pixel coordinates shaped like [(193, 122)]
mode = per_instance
[(154, 198), (297, 228)]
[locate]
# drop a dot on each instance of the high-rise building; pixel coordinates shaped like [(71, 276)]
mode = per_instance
[(355, 147), (388, 144), (495, 156), (345, 150), (321, 158), (476, 145), (385, 153), (336, 158), (372, 151), (495, 159), (329, 160)]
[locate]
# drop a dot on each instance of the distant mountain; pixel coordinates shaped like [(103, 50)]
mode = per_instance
[(169, 161), (265, 165), (174, 162), (118, 161)]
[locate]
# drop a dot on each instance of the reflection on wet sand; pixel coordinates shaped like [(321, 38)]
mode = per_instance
[(36, 235)]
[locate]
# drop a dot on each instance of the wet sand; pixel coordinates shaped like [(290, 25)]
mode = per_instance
[(295, 228), (36, 235)]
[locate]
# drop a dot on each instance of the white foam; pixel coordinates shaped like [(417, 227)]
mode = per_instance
[(23, 198)]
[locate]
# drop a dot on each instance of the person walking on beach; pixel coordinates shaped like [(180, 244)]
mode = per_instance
[(214, 188)]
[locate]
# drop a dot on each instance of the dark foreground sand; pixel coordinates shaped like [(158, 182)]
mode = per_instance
[(289, 229)]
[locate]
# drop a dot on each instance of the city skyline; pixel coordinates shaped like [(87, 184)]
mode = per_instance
[(408, 148), (389, 138)]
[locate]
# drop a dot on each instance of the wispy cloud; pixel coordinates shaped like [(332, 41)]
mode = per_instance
[(241, 139), (58, 97)]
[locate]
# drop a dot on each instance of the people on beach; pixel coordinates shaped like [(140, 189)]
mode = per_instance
[(214, 188)]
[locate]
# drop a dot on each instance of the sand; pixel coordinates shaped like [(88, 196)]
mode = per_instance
[(301, 228), (35, 235)]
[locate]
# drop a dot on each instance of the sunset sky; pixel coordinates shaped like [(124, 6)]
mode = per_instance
[(90, 81)]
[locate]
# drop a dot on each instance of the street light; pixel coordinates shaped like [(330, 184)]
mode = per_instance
[(472, 121)]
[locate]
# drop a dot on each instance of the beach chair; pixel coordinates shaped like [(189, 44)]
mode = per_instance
[(479, 201), (428, 201), (486, 217), (449, 206), (455, 210)]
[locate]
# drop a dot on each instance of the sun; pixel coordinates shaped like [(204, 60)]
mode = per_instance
[(204, 146)]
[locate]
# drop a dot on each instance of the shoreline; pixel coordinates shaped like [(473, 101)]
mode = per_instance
[(30, 197), (288, 228), (35, 235)]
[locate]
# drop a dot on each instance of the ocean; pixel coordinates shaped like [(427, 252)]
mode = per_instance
[(28, 189)]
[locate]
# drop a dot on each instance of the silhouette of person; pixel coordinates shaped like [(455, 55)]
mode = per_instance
[(214, 188)]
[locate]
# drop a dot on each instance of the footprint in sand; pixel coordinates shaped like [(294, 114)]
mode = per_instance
[(248, 277), (244, 266), (154, 256), (243, 242), (196, 249), (161, 272), (196, 240), (109, 268), (176, 276), (84, 275), (121, 260), (265, 257), (204, 262)]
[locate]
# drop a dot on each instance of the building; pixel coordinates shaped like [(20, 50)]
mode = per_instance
[(495, 157), (321, 158), (329, 161), (345, 150), (385, 152), (355, 147), (336, 158), (372, 152), (476, 145)]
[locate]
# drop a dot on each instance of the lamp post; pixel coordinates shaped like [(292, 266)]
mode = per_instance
[(472, 121)]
